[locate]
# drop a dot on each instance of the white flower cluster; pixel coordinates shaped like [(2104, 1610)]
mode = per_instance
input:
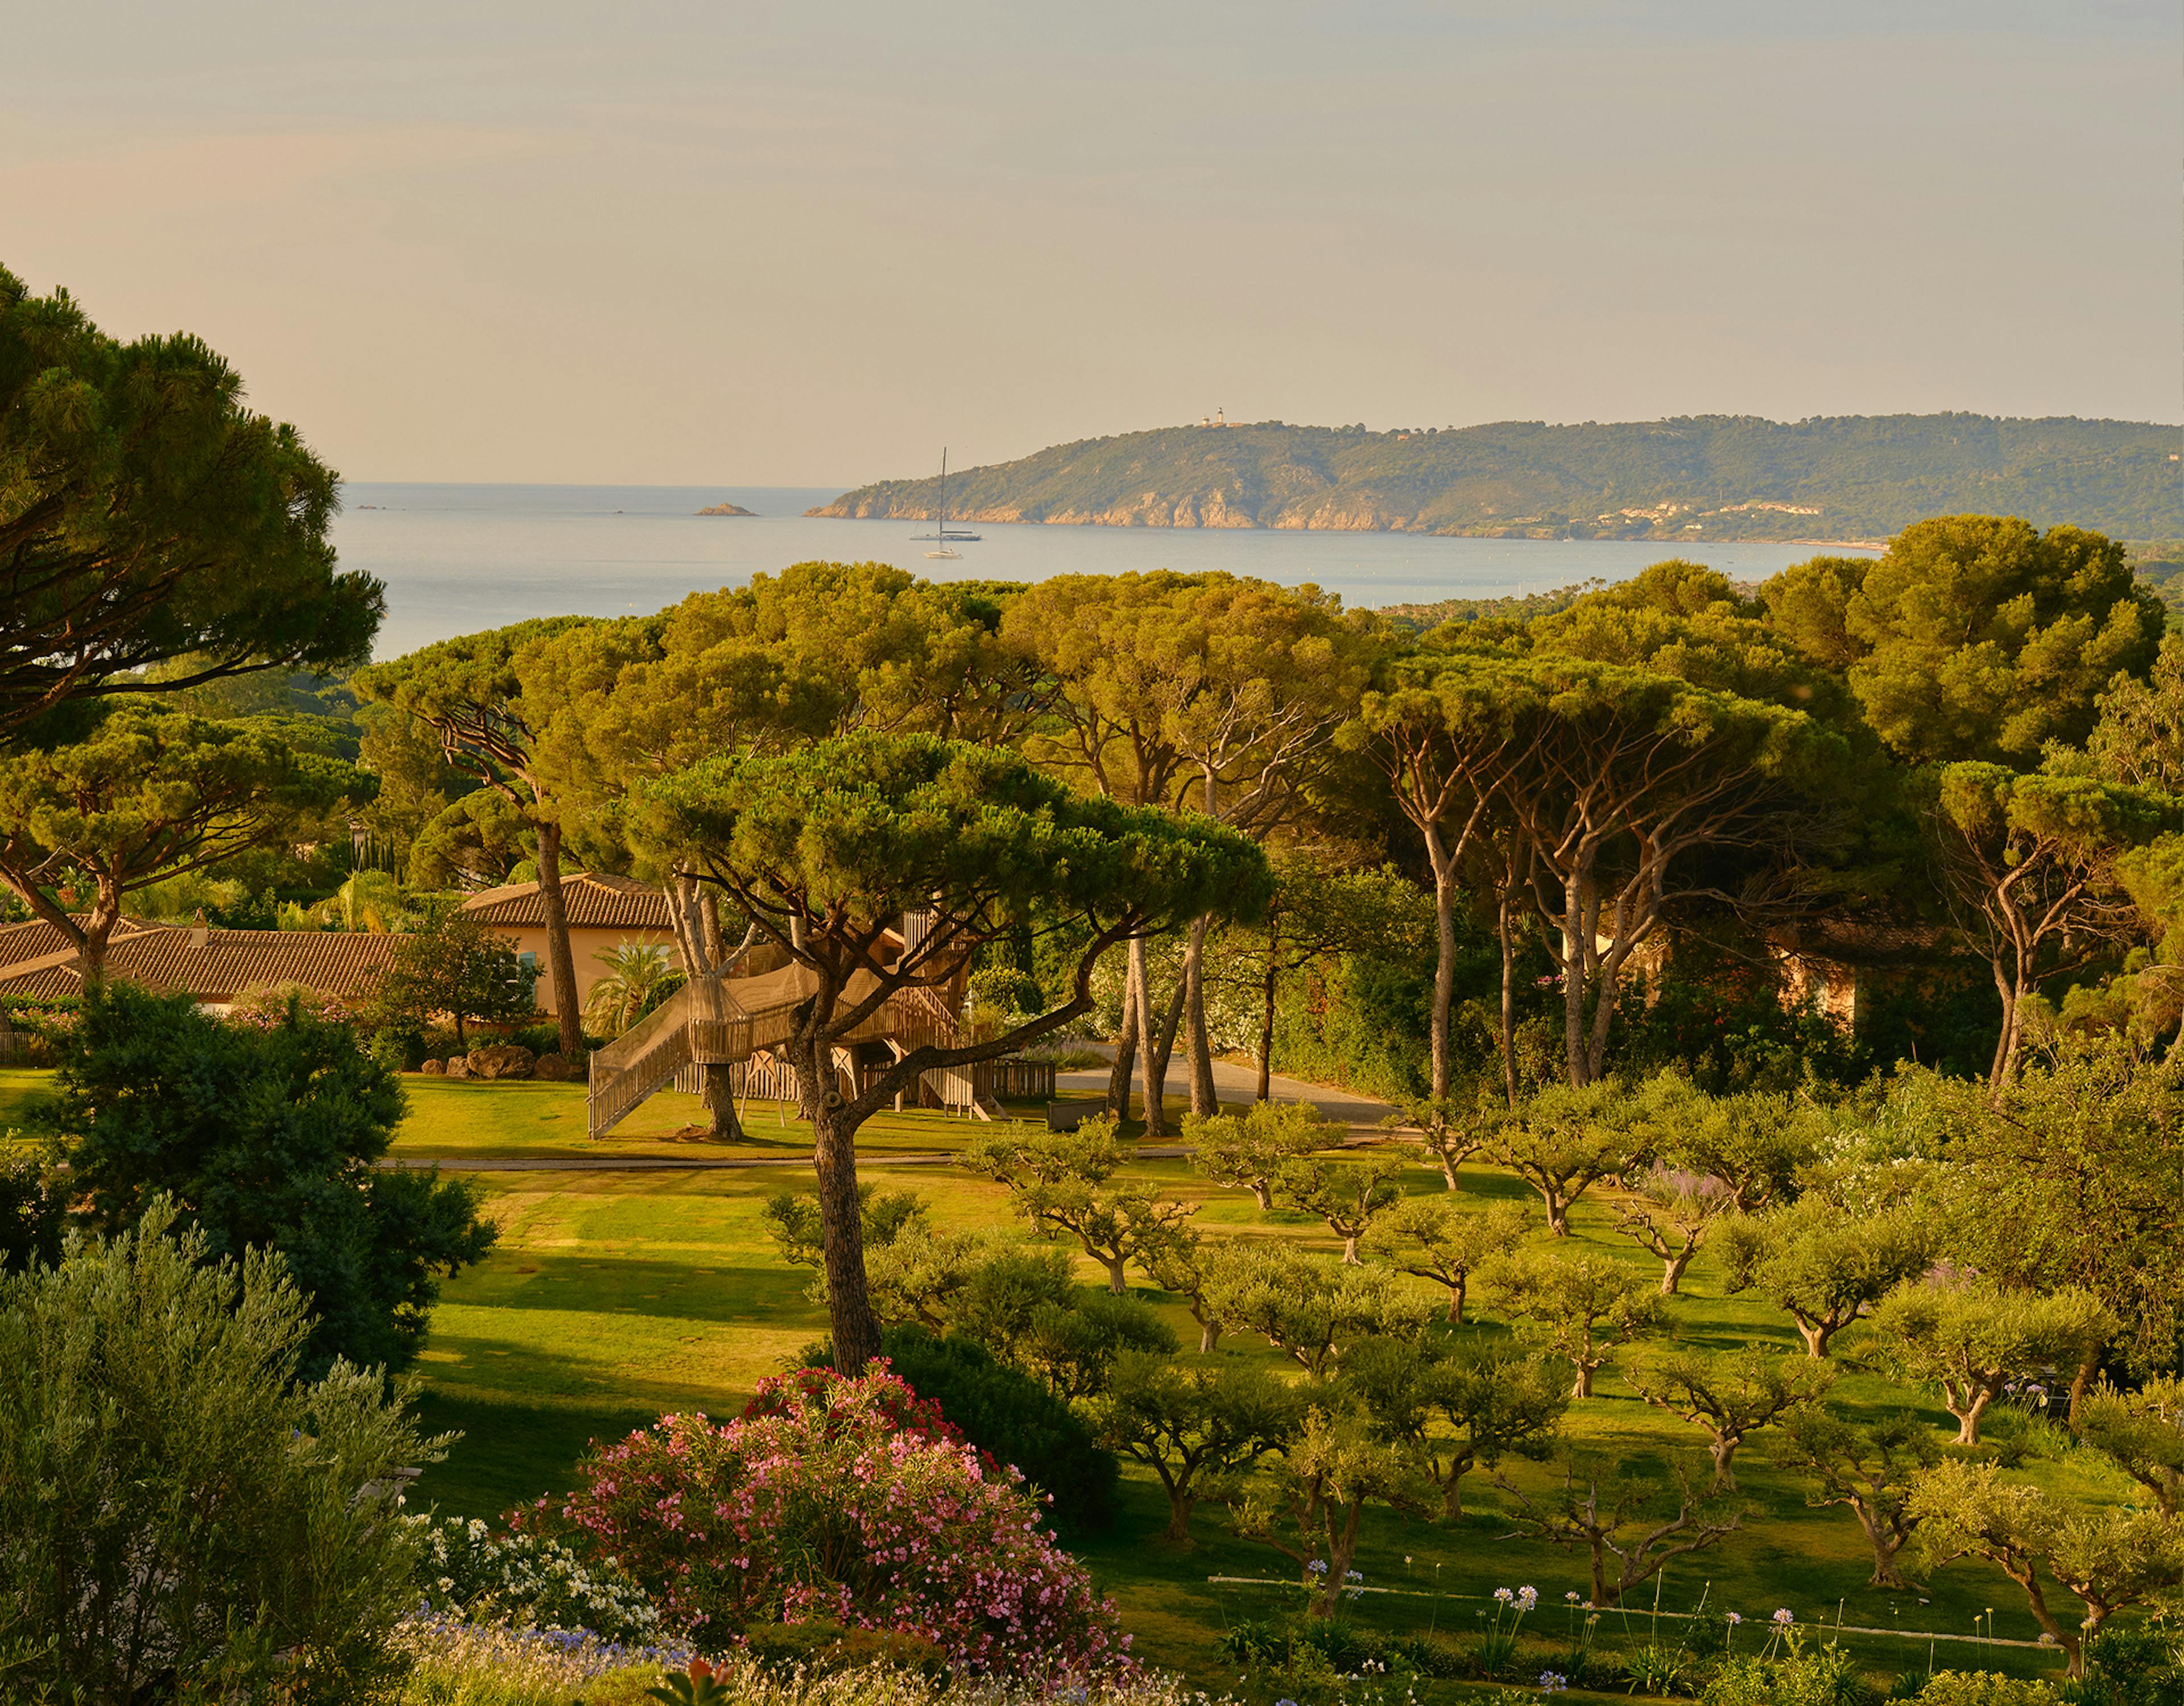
[(529, 1582)]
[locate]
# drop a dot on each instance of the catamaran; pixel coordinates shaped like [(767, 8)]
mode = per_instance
[(946, 536)]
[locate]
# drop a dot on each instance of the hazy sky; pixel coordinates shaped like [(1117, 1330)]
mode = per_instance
[(663, 241)]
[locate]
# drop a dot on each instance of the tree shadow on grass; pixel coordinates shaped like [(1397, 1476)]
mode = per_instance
[(722, 1292), (510, 1452)]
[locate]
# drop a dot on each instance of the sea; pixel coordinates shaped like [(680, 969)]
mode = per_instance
[(458, 558)]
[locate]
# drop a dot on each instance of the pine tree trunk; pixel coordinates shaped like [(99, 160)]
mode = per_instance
[(1576, 958), (1444, 994), (1267, 1031), (856, 1331), (720, 1098), (1117, 1106), (1509, 1037), (561, 957), (1203, 1101), (1140, 972)]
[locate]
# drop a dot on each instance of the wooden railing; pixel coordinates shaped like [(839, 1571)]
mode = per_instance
[(703, 1024)]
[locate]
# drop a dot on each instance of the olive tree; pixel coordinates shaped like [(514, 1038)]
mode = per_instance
[(2107, 1558), (1973, 1338), (824, 848), (1867, 1468), (1349, 1196), (1312, 1504), (1578, 1307), (1249, 1154), (1563, 1141), (1059, 1183), (2143, 1432), (1825, 1263), (1670, 1217), (1493, 1402), (1446, 1241), (1313, 1310), (1642, 1523), (175, 1500), (1199, 1429), (1731, 1396)]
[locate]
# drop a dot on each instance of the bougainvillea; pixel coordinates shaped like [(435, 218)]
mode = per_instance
[(844, 1499), (261, 1006)]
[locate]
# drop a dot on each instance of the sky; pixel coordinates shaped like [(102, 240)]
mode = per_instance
[(702, 241)]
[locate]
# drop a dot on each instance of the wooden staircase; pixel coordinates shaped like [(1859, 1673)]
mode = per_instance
[(716, 1021)]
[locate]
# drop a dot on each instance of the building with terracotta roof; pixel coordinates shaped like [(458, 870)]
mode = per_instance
[(213, 965), (604, 912)]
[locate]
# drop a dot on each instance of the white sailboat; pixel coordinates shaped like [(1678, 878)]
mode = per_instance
[(946, 536)]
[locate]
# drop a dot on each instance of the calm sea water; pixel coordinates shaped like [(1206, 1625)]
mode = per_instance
[(456, 559)]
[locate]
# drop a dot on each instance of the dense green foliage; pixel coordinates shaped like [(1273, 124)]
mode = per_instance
[(266, 1139), (1010, 1413), (149, 519), (172, 1502), (1847, 477)]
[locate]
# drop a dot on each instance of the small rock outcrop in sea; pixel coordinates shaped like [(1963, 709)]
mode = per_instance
[(727, 510)]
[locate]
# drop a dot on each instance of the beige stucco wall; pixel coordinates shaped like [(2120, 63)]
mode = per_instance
[(584, 945)]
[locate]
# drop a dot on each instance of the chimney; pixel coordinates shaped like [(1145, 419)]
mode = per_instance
[(200, 933)]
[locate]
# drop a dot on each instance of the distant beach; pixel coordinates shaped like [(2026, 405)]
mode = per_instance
[(458, 558)]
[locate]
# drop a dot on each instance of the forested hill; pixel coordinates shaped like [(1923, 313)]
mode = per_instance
[(1711, 477)]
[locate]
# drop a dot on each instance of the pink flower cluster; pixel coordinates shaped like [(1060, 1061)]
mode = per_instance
[(843, 1499)]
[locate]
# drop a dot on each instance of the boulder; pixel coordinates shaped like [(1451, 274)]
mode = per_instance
[(458, 1066), (434, 1068), (554, 1068), (502, 1060)]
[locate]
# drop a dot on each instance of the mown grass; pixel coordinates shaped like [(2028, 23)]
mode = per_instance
[(20, 1086), (614, 1295)]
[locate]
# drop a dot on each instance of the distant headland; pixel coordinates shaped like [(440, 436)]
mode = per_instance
[(1834, 480), (726, 509)]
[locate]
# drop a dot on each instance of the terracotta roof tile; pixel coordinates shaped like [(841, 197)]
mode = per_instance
[(164, 958), (594, 902)]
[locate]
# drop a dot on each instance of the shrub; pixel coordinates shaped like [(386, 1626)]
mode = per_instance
[(750, 1681), (172, 1502), (2131, 1665), (33, 1212), (1011, 1415), (531, 1580), (847, 1499), (261, 1006), (1822, 1677), (1983, 1688), (825, 1648), (266, 1139), (454, 1663)]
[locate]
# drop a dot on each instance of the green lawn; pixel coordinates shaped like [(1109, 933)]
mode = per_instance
[(614, 1295), (19, 1086)]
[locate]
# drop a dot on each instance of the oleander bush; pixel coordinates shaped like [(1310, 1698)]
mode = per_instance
[(848, 1500), (1012, 1416)]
